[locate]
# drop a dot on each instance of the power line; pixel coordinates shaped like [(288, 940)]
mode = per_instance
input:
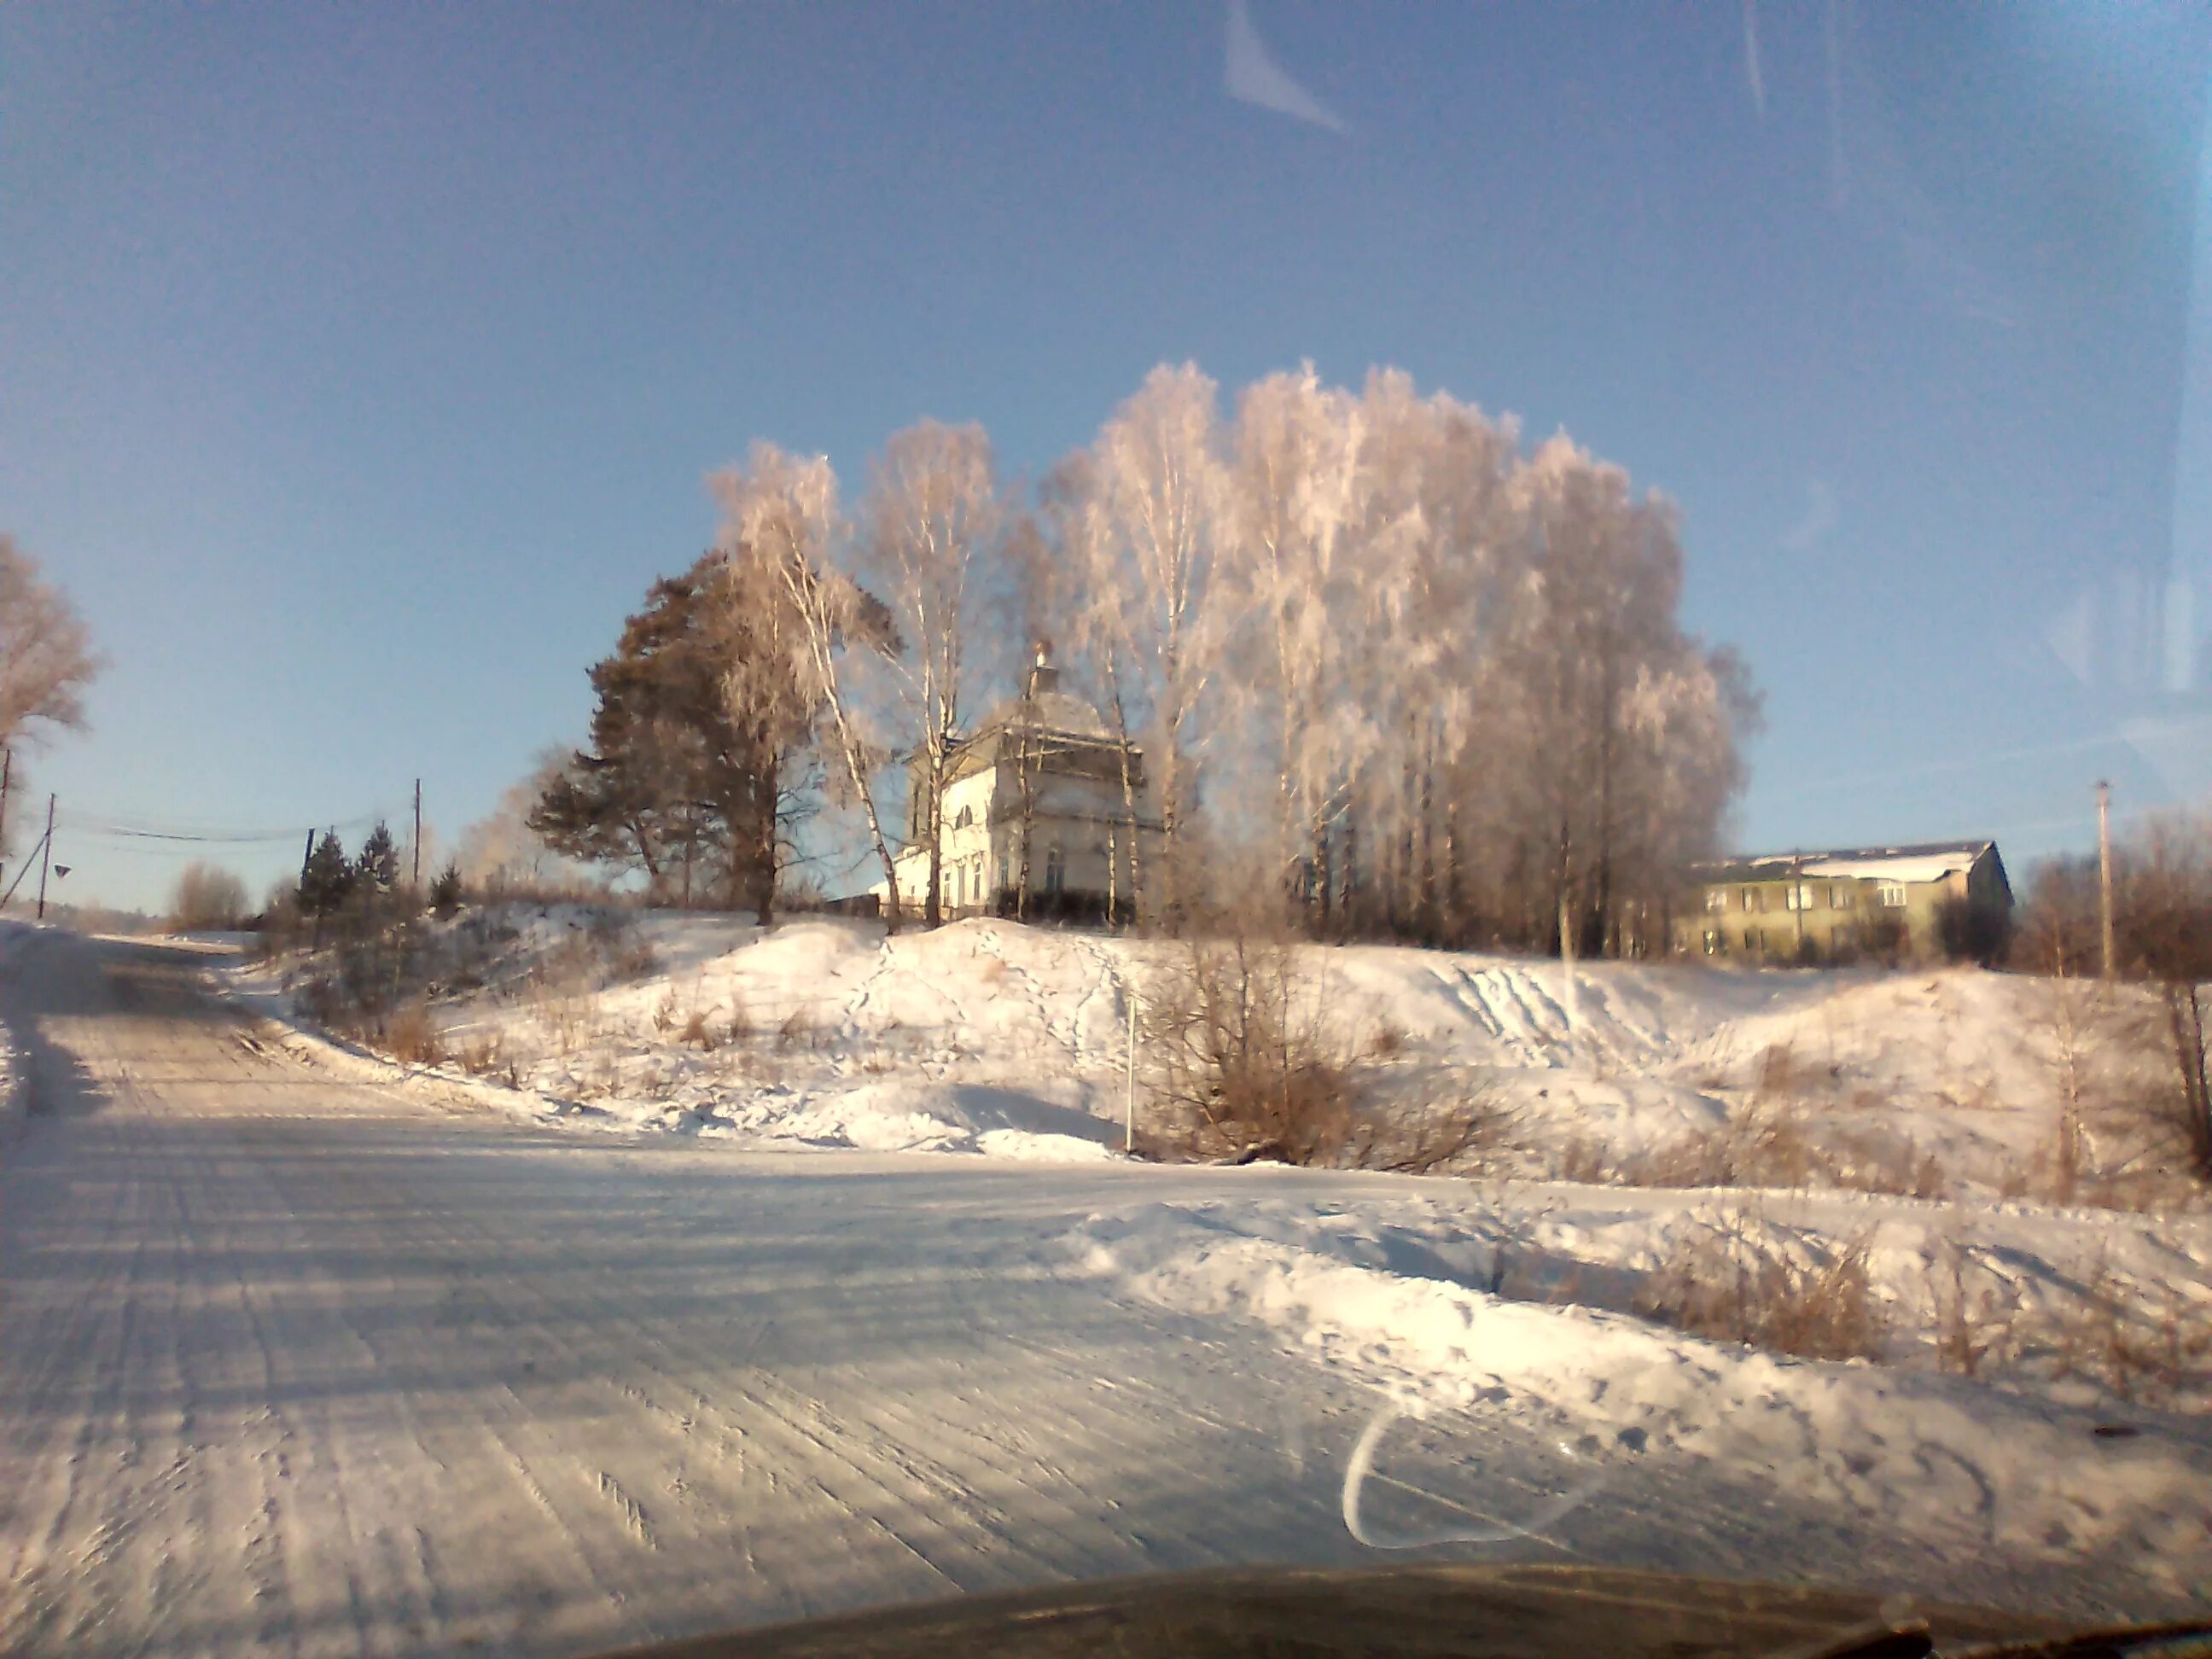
[(120, 826)]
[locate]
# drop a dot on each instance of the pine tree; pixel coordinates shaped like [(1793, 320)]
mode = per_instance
[(329, 878), (695, 748), (446, 890), (378, 867)]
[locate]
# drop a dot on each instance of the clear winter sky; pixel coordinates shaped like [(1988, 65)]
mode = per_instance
[(360, 364)]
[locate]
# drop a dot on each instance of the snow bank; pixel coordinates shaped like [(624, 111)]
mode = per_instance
[(1944, 1459)]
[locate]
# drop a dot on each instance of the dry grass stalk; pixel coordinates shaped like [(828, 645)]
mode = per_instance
[(411, 1035), (1970, 1325), (1729, 1282)]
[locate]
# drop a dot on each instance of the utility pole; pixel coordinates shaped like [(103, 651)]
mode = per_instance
[(418, 832), (307, 858), (7, 772), (46, 858), (2105, 876)]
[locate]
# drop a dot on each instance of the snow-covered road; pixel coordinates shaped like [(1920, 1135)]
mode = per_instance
[(293, 1364)]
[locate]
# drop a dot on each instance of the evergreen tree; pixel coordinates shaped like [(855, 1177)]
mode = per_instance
[(329, 879), (446, 890), (378, 867), (682, 781)]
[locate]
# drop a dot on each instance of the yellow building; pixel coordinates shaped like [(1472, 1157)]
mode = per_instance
[(1922, 902)]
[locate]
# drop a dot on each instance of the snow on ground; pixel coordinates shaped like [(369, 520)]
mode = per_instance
[(1014, 1042), (822, 1031), (1943, 1458), (328, 1356)]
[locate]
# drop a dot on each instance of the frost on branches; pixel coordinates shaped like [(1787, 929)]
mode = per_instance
[(1384, 670)]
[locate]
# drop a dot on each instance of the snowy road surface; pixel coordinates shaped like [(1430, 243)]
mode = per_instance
[(293, 1364)]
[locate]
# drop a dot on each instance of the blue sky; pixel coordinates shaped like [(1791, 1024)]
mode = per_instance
[(358, 366)]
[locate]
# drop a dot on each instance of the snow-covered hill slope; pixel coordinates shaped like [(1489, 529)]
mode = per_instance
[(995, 1037)]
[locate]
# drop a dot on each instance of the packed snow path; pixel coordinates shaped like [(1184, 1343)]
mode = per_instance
[(290, 1363)]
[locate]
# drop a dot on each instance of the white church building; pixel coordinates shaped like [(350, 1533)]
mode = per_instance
[(1043, 773)]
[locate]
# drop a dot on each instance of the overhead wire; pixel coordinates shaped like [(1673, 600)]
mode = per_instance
[(128, 826)]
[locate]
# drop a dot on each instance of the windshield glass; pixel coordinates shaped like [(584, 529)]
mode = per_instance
[(804, 807)]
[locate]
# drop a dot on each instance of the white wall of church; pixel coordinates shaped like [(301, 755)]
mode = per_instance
[(1076, 825)]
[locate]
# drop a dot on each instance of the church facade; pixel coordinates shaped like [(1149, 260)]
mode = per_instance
[(1036, 820)]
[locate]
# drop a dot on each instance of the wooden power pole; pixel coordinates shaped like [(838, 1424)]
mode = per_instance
[(418, 832), (46, 858), (7, 775), (2105, 878)]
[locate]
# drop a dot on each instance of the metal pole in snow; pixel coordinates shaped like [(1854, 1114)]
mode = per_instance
[(1129, 1085)]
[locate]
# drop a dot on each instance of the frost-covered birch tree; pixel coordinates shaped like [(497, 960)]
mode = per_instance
[(46, 662), (1158, 485), (1611, 686), (782, 532), (1292, 577), (932, 516), (1440, 541)]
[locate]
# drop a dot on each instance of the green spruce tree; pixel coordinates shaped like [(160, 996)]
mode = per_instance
[(328, 880), (378, 867)]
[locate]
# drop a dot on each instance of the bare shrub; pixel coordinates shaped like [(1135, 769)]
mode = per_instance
[(1767, 1144), (2162, 940), (320, 999), (1729, 1282), (1778, 1070), (633, 958), (2142, 1347), (411, 1035), (1388, 1041), (741, 1028), (564, 1006), (1774, 1142), (2076, 1011), (2163, 916), (1424, 1138), (798, 1028), (1970, 1322), (482, 1055), (1873, 1161), (1241, 1065), (1586, 1158), (664, 1012), (205, 898)]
